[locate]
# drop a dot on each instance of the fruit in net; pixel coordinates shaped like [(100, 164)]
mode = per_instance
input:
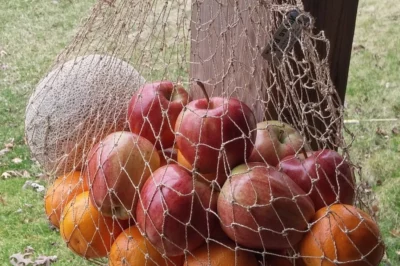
[(85, 230), (60, 192), (221, 254), (262, 208), (118, 167), (215, 133), (325, 175), (153, 111), (176, 212), (131, 248), (342, 235), (276, 140), (76, 105)]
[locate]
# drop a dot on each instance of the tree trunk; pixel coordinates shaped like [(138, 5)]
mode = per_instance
[(225, 55)]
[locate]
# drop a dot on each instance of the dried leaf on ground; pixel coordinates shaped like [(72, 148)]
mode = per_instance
[(381, 132), (11, 173), (4, 151), (35, 186), (10, 144), (395, 233), (45, 260), (359, 47), (7, 175), (17, 160), (25, 259), (3, 52), (29, 249), (25, 174), (20, 259)]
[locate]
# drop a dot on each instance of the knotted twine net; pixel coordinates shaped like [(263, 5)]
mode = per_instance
[(263, 53)]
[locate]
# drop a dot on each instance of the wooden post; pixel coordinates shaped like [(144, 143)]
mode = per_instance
[(226, 53), (337, 18)]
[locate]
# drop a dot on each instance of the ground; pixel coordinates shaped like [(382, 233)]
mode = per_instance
[(34, 32)]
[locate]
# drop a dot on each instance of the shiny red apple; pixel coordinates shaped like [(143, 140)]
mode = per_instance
[(324, 174), (117, 168), (262, 208), (153, 111), (276, 140), (175, 212), (214, 135)]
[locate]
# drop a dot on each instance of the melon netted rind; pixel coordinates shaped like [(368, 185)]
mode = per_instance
[(76, 105)]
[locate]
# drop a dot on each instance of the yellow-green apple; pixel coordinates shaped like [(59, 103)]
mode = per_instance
[(262, 208), (276, 140), (175, 212), (325, 175), (153, 111), (215, 134), (117, 168)]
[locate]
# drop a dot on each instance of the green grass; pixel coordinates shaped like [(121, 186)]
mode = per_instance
[(374, 92), (33, 32)]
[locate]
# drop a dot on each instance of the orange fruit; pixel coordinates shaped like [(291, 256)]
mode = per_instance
[(64, 188), (182, 161), (285, 257), (85, 230), (218, 255), (342, 235), (131, 248), (282, 261)]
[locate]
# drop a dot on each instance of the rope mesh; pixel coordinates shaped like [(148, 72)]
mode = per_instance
[(180, 118)]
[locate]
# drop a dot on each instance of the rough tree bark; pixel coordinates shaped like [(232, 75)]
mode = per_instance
[(228, 59)]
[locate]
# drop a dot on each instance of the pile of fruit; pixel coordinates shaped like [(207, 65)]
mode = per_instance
[(201, 183)]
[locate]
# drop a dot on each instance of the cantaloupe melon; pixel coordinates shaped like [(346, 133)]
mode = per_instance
[(76, 105)]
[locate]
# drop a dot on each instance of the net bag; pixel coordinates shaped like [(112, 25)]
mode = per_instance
[(200, 133)]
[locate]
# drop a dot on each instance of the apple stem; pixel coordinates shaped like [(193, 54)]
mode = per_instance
[(281, 132), (303, 150), (201, 85)]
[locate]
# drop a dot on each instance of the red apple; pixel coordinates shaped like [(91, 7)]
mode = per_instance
[(153, 111), (276, 140), (215, 134), (263, 208), (278, 261), (117, 170), (175, 212), (166, 155), (325, 175)]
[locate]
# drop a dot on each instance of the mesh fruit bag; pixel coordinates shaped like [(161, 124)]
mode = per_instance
[(199, 133)]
